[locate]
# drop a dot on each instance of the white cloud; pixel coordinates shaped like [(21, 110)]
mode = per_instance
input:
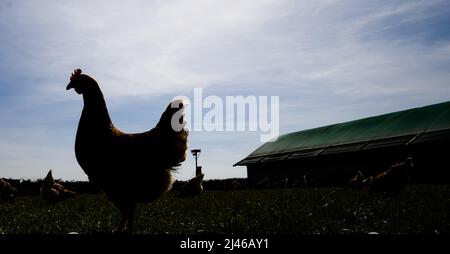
[(137, 47)]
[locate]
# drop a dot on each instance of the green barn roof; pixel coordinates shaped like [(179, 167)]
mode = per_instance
[(394, 129)]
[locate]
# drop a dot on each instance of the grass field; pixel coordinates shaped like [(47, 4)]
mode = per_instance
[(416, 209)]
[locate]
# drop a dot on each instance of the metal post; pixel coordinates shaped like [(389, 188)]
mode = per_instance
[(198, 169)]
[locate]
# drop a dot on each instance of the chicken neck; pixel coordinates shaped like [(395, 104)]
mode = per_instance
[(95, 114)]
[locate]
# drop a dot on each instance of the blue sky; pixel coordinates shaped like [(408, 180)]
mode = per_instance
[(328, 61)]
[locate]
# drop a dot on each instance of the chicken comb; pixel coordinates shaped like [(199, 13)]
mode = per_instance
[(76, 73)]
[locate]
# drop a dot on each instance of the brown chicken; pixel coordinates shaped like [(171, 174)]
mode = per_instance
[(129, 168), (7, 191), (356, 182), (54, 192), (392, 180), (193, 187)]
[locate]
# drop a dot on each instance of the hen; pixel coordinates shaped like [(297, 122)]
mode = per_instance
[(356, 182), (7, 191), (53, 192), (193, 187), (392, 180), (129, 168)]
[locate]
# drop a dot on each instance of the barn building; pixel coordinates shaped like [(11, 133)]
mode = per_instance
[(331, 155)]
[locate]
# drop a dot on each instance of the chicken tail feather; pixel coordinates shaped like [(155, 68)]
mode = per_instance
[(173, 126)]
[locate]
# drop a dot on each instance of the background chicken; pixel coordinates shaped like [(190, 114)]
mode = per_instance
[(356, 182), (7, 191), (54, 192), (392, 180), (193, 187), (129, 168)]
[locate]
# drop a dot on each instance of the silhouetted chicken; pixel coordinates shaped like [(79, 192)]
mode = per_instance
[(356, 182), (7, 191), (193, 187), (129, 168), (53, 192), (392, 180)]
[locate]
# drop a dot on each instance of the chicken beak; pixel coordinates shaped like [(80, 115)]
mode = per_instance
[(69, 86)]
